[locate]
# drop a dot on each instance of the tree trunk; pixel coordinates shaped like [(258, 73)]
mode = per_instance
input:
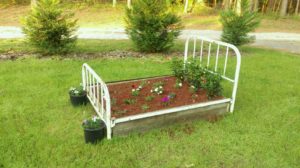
[(186, 6), (255, 7), (284, 6), (297, 7), (114, 3), (129, 3), (238, 7), (33, 3), (226, 4)]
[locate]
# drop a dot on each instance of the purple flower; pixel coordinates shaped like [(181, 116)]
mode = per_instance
[(165, 99)]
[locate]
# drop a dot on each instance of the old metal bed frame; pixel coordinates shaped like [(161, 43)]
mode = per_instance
[(98, 93)]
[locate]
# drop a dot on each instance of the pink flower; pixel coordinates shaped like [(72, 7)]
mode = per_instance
[(165, 99)]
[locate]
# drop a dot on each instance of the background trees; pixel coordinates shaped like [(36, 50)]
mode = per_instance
[(280, 7)]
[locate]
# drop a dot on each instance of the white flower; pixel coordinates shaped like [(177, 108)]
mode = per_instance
[(95, 118), (180, 84), (133, 90), (151, 91), (160, 87), (156, 89), (140, 87), (76, 91), (160, 92), (193, 86)]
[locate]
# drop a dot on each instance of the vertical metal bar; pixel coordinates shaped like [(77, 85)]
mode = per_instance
[(201, 52), (87, 79), (94, 90), (194, 51), (102, 97), (225, 64), (217, 58), (98, 92), (83, 77), (186, 50), (236, 77), (90, 86), (208, 57)]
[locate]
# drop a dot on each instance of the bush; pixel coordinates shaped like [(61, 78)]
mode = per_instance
[(151, 26), (237, 26), (50, 29), (213, 85)]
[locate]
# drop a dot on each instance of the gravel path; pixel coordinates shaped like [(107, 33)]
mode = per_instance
[(277, 40)]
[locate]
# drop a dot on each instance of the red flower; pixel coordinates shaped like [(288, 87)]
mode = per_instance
[(133, 86)]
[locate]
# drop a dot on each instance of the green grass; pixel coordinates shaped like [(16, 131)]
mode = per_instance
[(39, 127), (83, 46)]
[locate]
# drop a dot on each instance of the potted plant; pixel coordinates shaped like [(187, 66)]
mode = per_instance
[(94, 130), (77, 96)]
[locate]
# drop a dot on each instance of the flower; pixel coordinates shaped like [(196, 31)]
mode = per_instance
[(133, 86), (151, 91), (133, 90), (140, 87), (180, 84), (160, 87), (165, 99), (156, 89)]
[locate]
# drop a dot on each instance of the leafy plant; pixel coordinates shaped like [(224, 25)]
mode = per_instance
[(195, 74), (213, 85), (172, 95), (49, 28), (149, 98), (129, 101), (92, 123), (158, 88), (178, 84), (237, 26), (77, 91), (167, 99), (145, 107), (151, 25), (136, 90), (178, 69)]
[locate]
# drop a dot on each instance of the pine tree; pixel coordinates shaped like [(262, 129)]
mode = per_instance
[(49, 28), (237, 26), (151, 26)]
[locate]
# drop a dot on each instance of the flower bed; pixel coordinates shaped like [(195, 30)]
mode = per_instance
[(148, 95)]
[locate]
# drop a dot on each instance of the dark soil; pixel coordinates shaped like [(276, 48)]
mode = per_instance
[(123, 90)]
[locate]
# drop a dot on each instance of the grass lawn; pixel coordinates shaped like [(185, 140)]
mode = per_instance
[(104, 16), (39, 127)]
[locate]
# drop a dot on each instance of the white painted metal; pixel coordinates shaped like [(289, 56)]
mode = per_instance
[(91, 81), (235, 79)]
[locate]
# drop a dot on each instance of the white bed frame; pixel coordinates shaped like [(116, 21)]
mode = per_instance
[(98, 94)]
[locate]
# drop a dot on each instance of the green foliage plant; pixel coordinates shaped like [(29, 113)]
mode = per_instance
[(49, 28), (237, 26), (152, 26), (213, 85)]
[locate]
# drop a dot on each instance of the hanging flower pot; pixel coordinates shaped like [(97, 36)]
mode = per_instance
[(94, 130)]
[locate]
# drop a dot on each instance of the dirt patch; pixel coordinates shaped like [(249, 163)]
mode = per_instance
[(122, 92)]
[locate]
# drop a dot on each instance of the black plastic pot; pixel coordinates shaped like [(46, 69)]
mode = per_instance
[(95, 135), (78, 100)]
